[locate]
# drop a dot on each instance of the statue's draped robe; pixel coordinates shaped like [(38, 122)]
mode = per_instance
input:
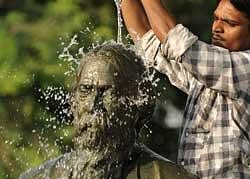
[(142, 165)]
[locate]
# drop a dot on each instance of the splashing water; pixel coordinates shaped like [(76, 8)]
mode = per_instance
[(119, 21), (58, 121), (66, 56), (59, 96)]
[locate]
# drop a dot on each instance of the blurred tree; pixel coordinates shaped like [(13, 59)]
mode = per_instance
[(35, 120)]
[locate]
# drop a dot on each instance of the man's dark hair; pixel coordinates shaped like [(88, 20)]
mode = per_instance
[(241, 5)]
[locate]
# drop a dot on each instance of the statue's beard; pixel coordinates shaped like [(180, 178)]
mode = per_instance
[(107, 141), (96, 165), (100, 132)]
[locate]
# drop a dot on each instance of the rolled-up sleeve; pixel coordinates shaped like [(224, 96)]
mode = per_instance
[(166, 58), (178, 40)]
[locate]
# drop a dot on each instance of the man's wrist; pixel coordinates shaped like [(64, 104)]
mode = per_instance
[(125, 1), (149, 1)]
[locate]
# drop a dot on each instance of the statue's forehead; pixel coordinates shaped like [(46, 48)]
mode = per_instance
[(98, 72)]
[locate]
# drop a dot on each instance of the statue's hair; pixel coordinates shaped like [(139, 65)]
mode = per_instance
[(125, 61)]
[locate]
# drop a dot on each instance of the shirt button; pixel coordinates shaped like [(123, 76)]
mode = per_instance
[(182, 163), (186, 134)]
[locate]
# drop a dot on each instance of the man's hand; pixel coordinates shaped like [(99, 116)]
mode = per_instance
[(142, 15)]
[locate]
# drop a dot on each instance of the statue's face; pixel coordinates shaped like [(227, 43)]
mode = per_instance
[(104, 116)]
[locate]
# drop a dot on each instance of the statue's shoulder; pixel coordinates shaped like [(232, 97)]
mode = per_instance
[(159, 169), (57, 167), (150, 164)]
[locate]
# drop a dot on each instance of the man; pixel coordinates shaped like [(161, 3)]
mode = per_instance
[(111, 101), (215, 137)]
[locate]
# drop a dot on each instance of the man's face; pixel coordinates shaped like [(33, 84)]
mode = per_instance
[(103, 116), (231, 27)]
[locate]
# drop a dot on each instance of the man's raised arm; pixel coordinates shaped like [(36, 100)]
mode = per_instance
[(159, 18), (135, 18)]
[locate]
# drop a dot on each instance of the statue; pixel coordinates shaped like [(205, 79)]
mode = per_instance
[(111, 101)]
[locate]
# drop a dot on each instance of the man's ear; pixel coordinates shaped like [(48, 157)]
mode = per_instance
[(248, 38), (249, 27)]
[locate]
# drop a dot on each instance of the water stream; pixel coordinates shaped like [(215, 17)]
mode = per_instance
[(119, 21)]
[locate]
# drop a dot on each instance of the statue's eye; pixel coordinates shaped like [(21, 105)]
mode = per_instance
[(85, 89)]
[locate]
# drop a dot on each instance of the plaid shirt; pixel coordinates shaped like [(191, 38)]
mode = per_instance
[(215, 136)]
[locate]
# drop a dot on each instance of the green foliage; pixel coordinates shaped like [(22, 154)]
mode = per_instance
[(33, 34)]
